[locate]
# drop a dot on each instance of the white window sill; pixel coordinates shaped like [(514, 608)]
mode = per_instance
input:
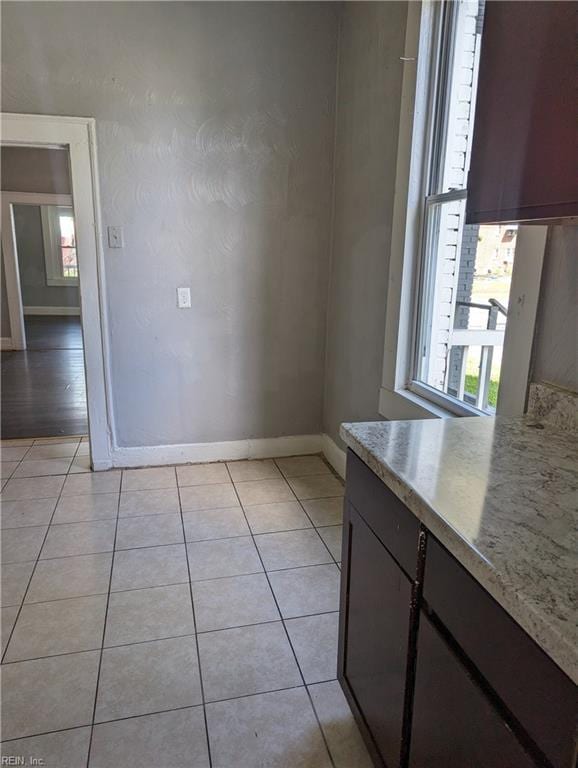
[(403, 404), (70, 281)]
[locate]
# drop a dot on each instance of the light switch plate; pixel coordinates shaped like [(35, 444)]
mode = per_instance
[(115, 237), (183, 297)]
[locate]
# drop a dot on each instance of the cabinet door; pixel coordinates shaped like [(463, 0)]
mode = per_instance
[(453, 722), (524, 152), (375, 636)]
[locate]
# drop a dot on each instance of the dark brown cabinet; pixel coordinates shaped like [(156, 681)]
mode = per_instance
[(453, 722), (436, 672), (376, 633), (524, 163)]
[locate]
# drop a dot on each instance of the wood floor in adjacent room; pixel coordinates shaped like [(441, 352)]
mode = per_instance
[(43, 388)]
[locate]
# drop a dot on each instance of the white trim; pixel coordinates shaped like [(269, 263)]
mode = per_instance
[(52, 310), (6, 343), (78, 134), (522, 310), (405, 404), (335, 455), (261, 448)]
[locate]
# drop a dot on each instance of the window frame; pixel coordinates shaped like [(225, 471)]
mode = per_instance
[(52, 249), (400, 395)]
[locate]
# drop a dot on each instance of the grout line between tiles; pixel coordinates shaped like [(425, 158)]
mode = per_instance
[(103, 630), (285, 630), (202, 686)]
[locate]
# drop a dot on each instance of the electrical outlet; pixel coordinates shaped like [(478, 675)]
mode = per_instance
[(115, 237), (184, 298)]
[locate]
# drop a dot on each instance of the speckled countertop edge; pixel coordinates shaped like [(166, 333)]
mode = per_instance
[(559, 647)]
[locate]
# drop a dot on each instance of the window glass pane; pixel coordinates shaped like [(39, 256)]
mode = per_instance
[(456, 100), (67, 245), (463, 305)]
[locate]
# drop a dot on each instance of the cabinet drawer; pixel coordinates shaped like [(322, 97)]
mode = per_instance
[(539, 695), (391, 521)]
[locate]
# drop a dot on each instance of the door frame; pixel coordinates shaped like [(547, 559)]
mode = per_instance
[(78, 135), (10, 251)]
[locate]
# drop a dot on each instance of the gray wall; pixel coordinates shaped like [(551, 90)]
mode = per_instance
[(369, 89), (31, 169), (215, 146), (556, 340), (29, 242)]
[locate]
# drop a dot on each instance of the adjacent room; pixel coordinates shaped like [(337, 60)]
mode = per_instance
[(289, 384)]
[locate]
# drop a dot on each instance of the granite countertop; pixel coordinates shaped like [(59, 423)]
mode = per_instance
[(501, 495)]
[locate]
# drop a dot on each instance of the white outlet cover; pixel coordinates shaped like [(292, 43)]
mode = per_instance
[(115, 237), (183, 297)]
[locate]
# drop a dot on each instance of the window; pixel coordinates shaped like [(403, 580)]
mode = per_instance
[(59, 245), (451, 343)]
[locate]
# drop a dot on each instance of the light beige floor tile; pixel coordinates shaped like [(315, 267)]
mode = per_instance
[(63, 749), (52, 451), (148, 677), (70, 577), (60, 439), (30, 512), (304, 591), (325, 511), (300, 466), (7, 469), (140, 503), (332, 536), (13, 452), (277, 730), (291, 549), (246, 660), (48, 694), (149, 614), (263, 469), (83, 450), (279, 516), (18, 441), (233, 602), (83, 509), (92, 482), (202, 474), (151, 478), (149, 567), (79, 539), (32, 488), (342, 734), (204, 524), (15, 578), (80, 464), (314, 640), (62, 626), (42, 467), (224, 557), (316, 487), (8, 619), (149, 531), (169, 739), (22, 544), (217, 496), (264, 491)]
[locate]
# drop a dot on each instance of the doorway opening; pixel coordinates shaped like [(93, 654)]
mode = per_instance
[(43, 379), (55, 360)]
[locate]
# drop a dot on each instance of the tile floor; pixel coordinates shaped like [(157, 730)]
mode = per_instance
[(172, 616)]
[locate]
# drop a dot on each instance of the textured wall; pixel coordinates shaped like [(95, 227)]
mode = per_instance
[(215, 141), (556, 340), (30, 244), (32, 169), (369, 89)]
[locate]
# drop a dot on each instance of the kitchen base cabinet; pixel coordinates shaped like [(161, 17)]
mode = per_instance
[(453, 722), (376, 625)]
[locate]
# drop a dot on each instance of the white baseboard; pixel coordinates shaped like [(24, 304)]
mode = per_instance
[(335, 455), (52, 310), (6, 343), (261, 448)]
